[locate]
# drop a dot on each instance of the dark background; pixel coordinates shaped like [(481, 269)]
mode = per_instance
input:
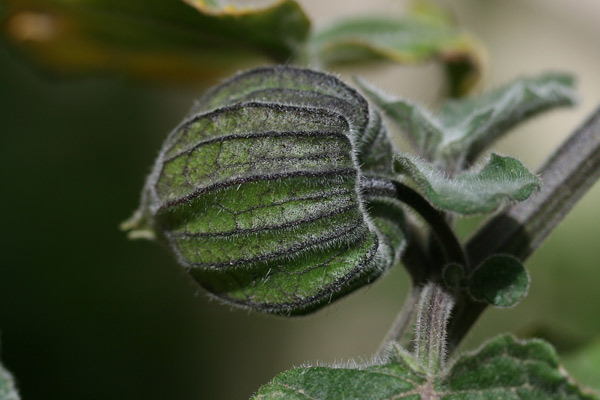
[(87, 314)]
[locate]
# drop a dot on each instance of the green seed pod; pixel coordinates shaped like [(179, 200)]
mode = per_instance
[(258, 192)]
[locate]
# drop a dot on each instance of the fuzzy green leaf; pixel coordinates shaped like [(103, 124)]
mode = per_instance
[(501, 281), (464, 128), (420, 36), (505, 368), (501, 180), (473, 124), (7, 386), (176, 40)]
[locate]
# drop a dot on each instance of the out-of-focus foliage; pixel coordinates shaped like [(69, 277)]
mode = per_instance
[(7, 385), (425, 33), (199, 41), (167, 39)]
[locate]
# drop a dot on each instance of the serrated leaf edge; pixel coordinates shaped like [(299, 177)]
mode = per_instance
[(512, 339)]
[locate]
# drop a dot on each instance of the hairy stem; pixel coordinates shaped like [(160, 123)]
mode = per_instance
[(376, 186), (520, 230), (435, 305), (418, 264)]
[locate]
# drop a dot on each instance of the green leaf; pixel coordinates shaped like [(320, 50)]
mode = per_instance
[(501, 281), (505, 368), (420, 36), (464, 128), (8, 390), (584, 364), (474, 123), (169, 39), (501, 180)]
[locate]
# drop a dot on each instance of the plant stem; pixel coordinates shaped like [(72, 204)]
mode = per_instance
[(376, 186), (520, 230), (435, 305), (415, 257)]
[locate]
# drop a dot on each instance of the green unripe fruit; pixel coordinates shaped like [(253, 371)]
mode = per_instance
[(258, 194)]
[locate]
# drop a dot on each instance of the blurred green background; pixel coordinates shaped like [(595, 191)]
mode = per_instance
[(87, 314)]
